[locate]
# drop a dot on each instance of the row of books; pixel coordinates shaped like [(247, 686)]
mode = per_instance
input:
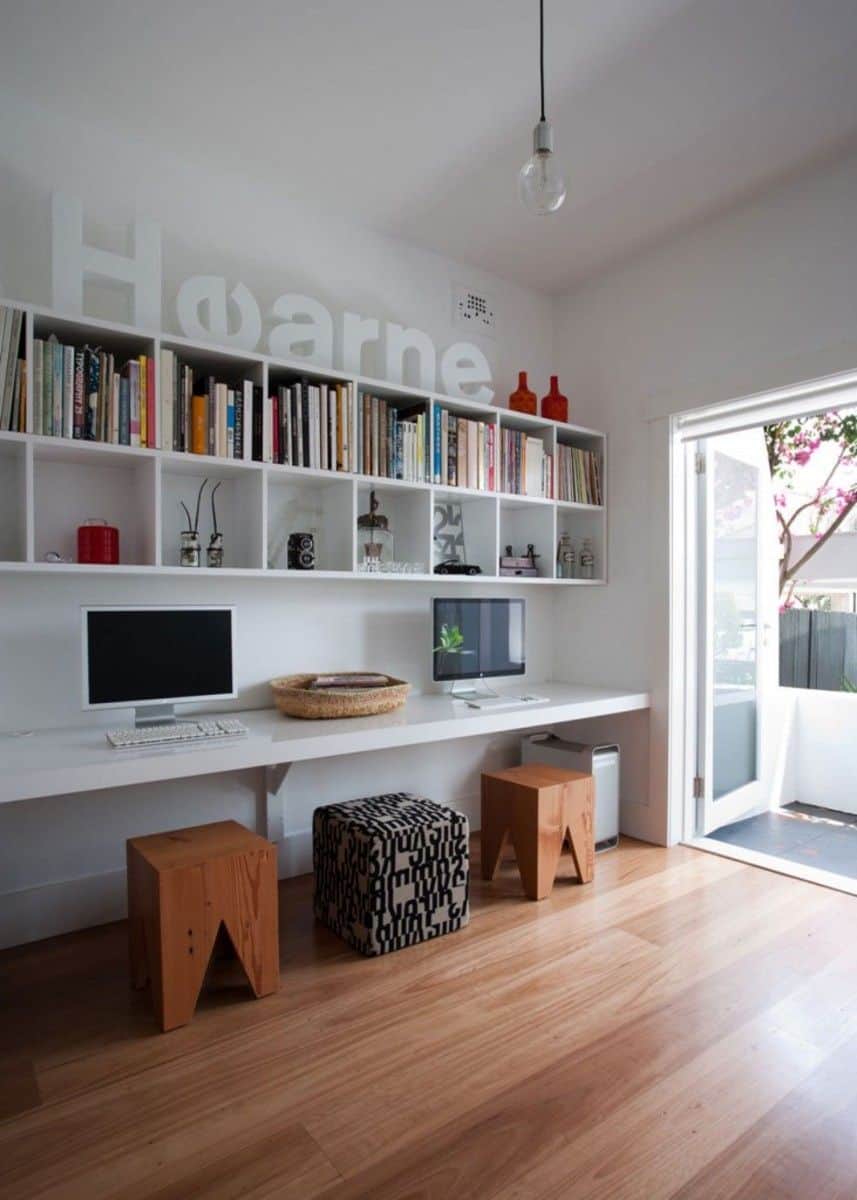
[(391, 442), (203, 415), (464, 452), (82, 392), (326, 427), (526, 468), (79, 392), (305, 424), (13, 371), (578, 475)]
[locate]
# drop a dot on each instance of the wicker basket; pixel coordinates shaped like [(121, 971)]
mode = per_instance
[(293, 697)]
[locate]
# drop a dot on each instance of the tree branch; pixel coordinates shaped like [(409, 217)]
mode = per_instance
[(791, 572)]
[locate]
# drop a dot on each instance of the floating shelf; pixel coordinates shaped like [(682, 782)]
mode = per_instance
[(51, 485)]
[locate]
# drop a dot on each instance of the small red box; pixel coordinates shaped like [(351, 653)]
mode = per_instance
[(97, 542)]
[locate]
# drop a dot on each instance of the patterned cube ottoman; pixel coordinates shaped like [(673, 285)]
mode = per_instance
[(391, 871)]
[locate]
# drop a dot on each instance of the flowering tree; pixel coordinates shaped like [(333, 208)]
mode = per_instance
[(827, 441)]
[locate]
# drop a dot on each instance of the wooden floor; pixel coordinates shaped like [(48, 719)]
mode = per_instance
[(684, 1027)]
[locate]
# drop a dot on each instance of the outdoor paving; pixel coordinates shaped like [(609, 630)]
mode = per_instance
[(800, 833)]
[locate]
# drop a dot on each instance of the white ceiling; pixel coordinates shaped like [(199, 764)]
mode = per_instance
[(413, 118)]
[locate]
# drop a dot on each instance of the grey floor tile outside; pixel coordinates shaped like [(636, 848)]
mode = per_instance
[(800, 833)]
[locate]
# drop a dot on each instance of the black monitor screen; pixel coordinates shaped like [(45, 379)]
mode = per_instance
[(476, 638), (157, 654)]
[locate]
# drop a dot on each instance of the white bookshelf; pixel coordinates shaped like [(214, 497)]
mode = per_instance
[(51, 485)]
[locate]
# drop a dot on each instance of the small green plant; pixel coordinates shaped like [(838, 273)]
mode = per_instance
[(451, 641), (847, 685)]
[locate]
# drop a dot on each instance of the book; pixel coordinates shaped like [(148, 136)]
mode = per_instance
[(56, 415), (124, 411), (38, 358), (199, 424)]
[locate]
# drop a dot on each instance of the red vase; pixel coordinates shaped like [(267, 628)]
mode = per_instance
[(554, 404), (522, 399)]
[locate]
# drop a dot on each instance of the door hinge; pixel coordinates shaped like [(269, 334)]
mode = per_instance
[(698, 787), (700, 463)]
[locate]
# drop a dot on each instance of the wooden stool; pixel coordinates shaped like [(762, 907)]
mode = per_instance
[(181, 887), (538, 807)]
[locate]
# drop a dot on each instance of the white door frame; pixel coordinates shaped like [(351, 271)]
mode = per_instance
[(746, 412)]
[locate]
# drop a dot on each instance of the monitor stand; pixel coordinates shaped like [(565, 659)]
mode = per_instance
[(154, 714), (464, 690)]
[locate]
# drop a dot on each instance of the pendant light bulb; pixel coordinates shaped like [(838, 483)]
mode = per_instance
[(540, 181)]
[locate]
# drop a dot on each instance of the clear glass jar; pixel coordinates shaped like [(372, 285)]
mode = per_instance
[(565, 557), (587, 560)]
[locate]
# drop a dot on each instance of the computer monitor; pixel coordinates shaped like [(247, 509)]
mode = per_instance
[(152, 658), (477, 639)]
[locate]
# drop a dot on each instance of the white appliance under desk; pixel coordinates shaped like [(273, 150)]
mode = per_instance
[(63, 761)]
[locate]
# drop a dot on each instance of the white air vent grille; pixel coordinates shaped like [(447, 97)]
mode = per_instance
[(473, 311)]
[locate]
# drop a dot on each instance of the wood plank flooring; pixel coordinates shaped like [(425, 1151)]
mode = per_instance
[(685, 1027)]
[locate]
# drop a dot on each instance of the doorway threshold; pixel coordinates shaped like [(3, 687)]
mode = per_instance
[(771, 862)]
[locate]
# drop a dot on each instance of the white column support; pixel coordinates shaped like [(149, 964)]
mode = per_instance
[(270, 817)]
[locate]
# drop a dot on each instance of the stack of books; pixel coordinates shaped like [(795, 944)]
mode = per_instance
[(464, 452), (527, 469), (306, 424), (578, 475), (391, 442), (13, 371), (81, 392), (201, 414)]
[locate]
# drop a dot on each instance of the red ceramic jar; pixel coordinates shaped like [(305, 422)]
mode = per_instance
[(554, 404), (97, 542), (522, 399)]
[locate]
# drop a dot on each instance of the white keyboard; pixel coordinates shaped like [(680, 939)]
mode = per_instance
[(506, 701), (181, 734)]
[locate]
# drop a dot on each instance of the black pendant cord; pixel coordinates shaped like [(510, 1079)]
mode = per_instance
[(542, 53)]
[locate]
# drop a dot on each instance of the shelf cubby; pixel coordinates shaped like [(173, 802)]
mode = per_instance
[(524, 522), (409, 511), (319, 503), (240, 503), (580, 522), (73, 484), (464, 526)]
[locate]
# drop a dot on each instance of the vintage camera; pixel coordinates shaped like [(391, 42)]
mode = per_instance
[(301, 552)]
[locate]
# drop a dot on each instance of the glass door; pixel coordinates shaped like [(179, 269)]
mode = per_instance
[(737, 570)]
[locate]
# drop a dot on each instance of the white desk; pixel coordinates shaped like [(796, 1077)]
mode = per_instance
[(62, 761)]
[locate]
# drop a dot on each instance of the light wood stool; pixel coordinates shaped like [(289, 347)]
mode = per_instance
[(181, 887), (538, 807)]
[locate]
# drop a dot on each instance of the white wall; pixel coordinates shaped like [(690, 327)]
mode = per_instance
[(61, 860), (824, 754), (835, 560), (226, 224), (763, 296)]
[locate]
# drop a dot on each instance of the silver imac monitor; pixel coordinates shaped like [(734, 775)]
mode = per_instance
[(476, 639), (152, 658)]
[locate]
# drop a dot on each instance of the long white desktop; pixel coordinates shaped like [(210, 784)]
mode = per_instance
[(64, 761)]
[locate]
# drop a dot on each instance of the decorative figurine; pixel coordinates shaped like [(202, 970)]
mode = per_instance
[(189, 554), (554, 404), (214, 553), (522, 399)]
